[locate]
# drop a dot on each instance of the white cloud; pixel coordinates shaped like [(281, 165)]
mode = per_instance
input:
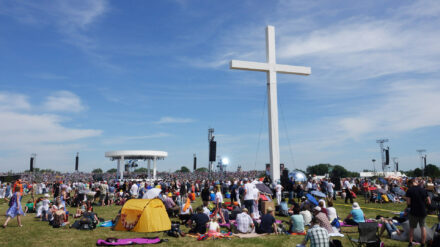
[(170, 120), (406, 106), (23, 133), (11, 101), (63, 101)]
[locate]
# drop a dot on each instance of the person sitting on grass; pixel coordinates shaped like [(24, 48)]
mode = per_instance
[(80, 210), (331, 212), (186, 211), (214, 227), (268, 223), (317, 235), (284, 209), (296, 223), (307, 215), (322, 219), (200, 220), (245, 223), (59, 217), (29, 207), (392, 230), (357, 214)]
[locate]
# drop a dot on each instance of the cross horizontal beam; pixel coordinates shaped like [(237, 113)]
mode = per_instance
[(265, 67)]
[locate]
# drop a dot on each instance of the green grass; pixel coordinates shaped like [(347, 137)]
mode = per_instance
[(37, 233)]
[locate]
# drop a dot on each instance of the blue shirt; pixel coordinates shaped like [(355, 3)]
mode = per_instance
[(297, 223), (358, 215), (283, 206)]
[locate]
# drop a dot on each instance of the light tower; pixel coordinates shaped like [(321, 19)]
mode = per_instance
[(374, 166), (382, 155), (422, 160)]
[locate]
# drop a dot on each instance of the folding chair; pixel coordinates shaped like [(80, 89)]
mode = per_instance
[(368, 235)]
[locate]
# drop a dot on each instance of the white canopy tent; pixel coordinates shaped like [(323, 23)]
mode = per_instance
[(148, 155)]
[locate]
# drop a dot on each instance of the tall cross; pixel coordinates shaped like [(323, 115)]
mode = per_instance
[(271, 68)]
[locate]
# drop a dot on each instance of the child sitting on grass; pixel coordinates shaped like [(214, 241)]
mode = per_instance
[(80, 210), (29, 208)]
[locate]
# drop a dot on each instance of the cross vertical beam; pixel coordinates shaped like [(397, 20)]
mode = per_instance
[(271, 68)]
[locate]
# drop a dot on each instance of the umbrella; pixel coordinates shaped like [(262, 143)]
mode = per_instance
[(263, 188), (318, 193), (382, 180), (382, 191), (153, 193), (312, 199), (399, 191), (298, 176)]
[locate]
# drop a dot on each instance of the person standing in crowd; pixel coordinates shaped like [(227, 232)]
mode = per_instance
[(331, 190), (278, 190), (15, 208), (248, 196), (134, 190), (417, 199), (347, 188), (205, 193)]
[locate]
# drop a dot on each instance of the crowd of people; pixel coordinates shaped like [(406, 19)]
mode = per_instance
[(241, 205)]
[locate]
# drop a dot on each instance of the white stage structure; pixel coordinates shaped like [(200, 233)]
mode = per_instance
[(271, 68), (148, 155)]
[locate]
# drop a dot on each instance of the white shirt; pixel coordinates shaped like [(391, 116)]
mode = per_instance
[(330, 187), (218, 197), (256, 193), (249, 191), (347, 185), (134, 190), (331, 211), (278, 188), (307, 216), (206, 211), (213, 226)]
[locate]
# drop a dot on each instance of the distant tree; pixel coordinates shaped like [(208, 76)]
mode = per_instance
[(184, 169), (97, 170), (202, 169), (340, 172), (432, 171), (113, 170), (141, 170), (319, 169)]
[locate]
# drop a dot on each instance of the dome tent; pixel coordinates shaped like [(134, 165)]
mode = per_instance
[(143, 215)]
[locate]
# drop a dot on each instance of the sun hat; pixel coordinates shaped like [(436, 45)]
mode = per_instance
[(269, 209), (356, 205), (46, 195), (245, 210), (317, 208)]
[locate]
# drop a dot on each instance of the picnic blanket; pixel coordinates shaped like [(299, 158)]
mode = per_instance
[(128, 241), (214, 236), (248, 235)]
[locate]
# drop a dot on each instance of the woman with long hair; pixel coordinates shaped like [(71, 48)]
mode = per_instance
[(15, 208)]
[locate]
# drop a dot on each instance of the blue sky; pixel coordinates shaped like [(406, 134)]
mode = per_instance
[(95, 76)]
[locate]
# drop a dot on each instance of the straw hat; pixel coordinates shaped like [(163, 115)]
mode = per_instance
[(269, 209)]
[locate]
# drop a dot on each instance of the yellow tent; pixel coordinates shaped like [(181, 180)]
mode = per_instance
[(143, 215)]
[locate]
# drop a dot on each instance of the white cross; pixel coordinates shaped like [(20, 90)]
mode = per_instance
[(271, 68)]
